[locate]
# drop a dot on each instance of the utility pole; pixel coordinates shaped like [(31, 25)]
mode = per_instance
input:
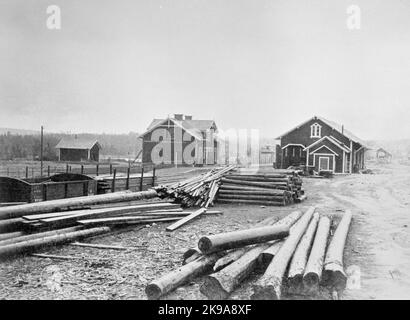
[(41, 152)]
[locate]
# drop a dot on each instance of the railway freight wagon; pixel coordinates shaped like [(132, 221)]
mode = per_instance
[(59, 186)]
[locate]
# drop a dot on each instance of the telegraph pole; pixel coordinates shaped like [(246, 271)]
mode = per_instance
[(41, 152)]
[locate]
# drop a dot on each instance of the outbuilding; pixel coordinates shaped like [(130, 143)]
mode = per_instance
[(78, 149)]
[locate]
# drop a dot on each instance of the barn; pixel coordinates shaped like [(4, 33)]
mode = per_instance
[(321, 145), (180, 140), (78, 149)]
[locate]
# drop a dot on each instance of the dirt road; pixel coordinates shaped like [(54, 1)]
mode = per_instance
[(378, 247), (379, 241)]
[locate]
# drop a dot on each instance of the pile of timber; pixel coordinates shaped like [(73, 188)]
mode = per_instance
[(297, 248), (271, 189), (196, 191), (28, 227)]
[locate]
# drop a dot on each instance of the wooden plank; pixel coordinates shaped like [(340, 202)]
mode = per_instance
[(98, 246), (186, 219)]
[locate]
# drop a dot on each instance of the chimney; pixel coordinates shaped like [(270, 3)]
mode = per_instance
[(343, 129), (178, 116), (188, 117)]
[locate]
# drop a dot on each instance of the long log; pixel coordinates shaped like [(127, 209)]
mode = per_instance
[(136, 208), (314, 266), (10, 235), (39, 235), (278, 193), (230, 187), (235, 254), (236, 239), (31, 245), (268, 185), (180, 276), (258, 179), (131, 221), (301, 255), (334, 274), (253, 202), (219, 285), (269, 286), (68, 220), (273, 198), (66, 204)]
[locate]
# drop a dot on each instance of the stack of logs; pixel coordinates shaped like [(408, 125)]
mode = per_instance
[(197, 191), (28, 227), (261, 189), (297, 248)]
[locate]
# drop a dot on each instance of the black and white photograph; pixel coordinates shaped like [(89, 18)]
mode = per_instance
[(220, 152)]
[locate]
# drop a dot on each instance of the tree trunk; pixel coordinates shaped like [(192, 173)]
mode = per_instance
[(334, 274), (301, 255), (268, 185), (269, 285), (220, 285), (66, 204), (180, 276), (314, 266), (236, 239), (249, 202), (38, 235), (31, 245)]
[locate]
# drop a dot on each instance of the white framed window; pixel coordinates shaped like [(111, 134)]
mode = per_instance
[(293, 151), (315, 130)]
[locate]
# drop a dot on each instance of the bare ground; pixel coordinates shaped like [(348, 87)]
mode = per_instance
[(378, 245)]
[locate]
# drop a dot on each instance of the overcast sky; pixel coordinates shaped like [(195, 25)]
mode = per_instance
[(264, 64)]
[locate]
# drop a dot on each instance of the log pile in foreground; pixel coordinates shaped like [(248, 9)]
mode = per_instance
[(281, 252), (273, 189), (196, 191)]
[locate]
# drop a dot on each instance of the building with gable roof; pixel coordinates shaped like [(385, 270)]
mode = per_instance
[(180, 140), (321, 145)]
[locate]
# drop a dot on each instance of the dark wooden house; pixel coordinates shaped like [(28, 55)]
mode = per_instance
[(321, 145), (78, 149), (180, 140)]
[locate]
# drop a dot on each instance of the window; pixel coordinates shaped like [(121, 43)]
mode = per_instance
[(293, 151), (315, 130)]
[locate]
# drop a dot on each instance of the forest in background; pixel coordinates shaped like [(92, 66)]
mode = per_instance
[(27, 146)]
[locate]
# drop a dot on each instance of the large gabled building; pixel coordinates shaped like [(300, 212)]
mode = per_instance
[(321, 145), (180, 140)]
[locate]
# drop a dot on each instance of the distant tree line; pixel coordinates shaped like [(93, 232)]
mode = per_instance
[(13, 146)]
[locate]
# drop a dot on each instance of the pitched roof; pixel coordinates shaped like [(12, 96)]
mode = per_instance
[(193, 127), (189, 124), (335, 126), (76, 143), (332, 140)]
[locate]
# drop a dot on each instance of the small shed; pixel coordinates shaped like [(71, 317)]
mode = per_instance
[(78, 149), (383, 156)]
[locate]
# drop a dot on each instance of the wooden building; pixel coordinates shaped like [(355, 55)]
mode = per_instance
[(78, 149), (383, 156), (321, 145), (180, 140)]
